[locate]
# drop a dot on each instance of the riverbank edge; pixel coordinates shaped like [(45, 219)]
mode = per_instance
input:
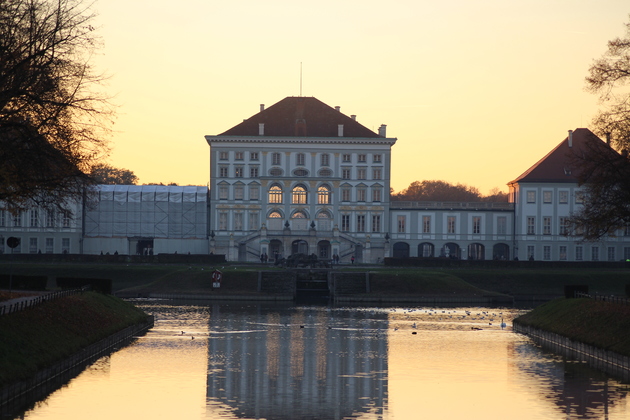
[(607, 361), (19, 395)]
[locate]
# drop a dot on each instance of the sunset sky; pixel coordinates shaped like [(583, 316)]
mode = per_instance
[(475, 91)]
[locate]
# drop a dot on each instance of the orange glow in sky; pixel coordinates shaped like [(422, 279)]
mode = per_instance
[(475, 91)]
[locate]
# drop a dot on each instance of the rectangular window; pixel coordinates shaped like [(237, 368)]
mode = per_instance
[(531, 196), (531, 251), (546, 225), (476, 225), (238, 221), (65, 219), (34, 218), (254, 192), (611, 253), (3, 218), (223, 193), (626, 253), (450, 224), (563, 252), (361, 173), (531, 225), (563, 197), (238, 155), (345, 222), (626, 230), (402, 222), (345, 173), (345, 194), (361, 194), (362, 158), (275, 158), (578, 253), (50, 245), (238, 172), (546, 252), (65, 245), (501, 225), (595, 253), (563, 226), (253, 171), (299, 159), (376, 195), (376, 173), (253, 220), (547, 197), (50, 218), (253, 155), (223, 220), (32, 245), (223, 171), (376, 158), (579, 197), (239, 192), (325, 160), (376, 223), (17, 219), (223, 155), (426, 224), (346, 157), (360, 223)]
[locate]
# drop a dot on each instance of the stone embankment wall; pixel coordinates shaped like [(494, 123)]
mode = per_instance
[(610, 362), (18, 396)]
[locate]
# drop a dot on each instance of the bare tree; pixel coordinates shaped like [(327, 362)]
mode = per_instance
[(53, 122), (603, 172), (609, 77)]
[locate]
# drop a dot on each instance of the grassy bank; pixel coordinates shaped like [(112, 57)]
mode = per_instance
[(600, 324), (242, 279), (38, 337)]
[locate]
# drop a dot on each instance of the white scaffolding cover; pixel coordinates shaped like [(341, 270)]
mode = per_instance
[(148, 211)]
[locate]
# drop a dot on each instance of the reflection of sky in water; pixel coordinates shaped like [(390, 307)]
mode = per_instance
[(228, 361)]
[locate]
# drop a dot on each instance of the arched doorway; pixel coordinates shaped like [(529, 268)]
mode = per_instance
[(426, 250), (451, 250), (299, 246), (401, 250), (323, 249), (275, 249), (476, 251), (501, 252)]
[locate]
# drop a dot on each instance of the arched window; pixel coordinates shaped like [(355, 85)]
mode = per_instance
[(299, 195), (275, 215), (298, 215), (275, 194), (323, 195)]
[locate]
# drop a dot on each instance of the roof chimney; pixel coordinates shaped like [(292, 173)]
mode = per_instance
[(570, 138), (354, 117), (608, 139), (382, 130), (338, 108), (340, 130), (261, 129), (262, 107)]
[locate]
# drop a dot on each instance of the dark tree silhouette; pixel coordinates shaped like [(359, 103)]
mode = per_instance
[(52, 122), (103, 173)]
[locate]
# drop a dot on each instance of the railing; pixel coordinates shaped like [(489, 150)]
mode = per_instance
[(452, 205), (604, 298), (29, 302)]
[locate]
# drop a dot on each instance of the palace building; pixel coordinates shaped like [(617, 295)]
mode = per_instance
[(302, 177)]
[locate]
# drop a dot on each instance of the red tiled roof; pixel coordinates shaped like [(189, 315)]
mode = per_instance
[(556, 166), (298, 116)]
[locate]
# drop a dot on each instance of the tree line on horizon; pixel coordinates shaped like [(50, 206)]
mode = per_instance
[(437, 190)]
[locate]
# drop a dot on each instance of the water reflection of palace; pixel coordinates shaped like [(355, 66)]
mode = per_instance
[(297, 363), (573, 387)]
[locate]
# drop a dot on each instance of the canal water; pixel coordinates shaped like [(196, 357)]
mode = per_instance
[(276, 361)]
